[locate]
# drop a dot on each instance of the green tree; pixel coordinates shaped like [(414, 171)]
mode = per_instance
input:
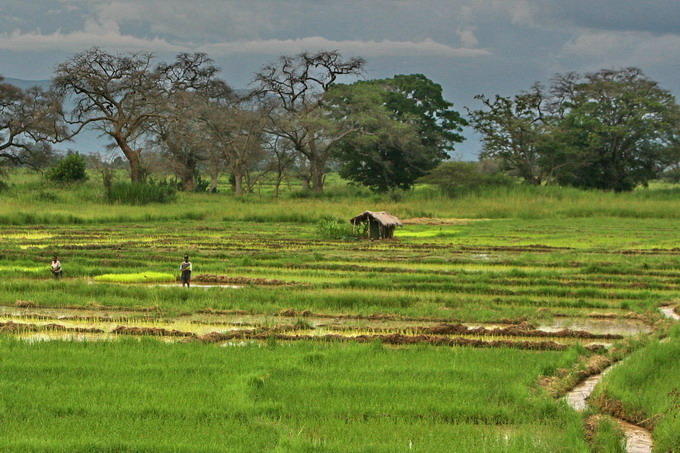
[(611, 130), (72, 168), (626, 124), (513, 130), (405, 126)]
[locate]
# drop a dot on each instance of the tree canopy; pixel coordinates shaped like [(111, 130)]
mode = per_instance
[(29, 122), (405, 125), (611, 129)]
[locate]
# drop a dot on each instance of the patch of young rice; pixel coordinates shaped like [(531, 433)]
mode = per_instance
[(140, 277)]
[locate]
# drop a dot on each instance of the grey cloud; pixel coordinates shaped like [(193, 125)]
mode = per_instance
[(653, 16)]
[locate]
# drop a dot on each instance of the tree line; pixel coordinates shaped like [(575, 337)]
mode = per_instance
[(612, 129)]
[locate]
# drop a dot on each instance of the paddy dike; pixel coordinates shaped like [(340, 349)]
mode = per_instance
[(214, 326)]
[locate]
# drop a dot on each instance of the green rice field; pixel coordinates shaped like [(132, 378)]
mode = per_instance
[(461, 334)]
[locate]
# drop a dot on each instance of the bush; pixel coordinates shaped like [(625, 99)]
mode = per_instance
[(141, 193), (459, 178), (72, 168), (332, 229)]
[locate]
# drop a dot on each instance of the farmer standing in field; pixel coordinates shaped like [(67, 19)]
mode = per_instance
[(56, 267), (185, 267)]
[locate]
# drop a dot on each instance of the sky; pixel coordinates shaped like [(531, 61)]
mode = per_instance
[(469, 47)]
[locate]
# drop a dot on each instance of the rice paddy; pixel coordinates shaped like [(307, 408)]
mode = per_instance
[(457, 335)]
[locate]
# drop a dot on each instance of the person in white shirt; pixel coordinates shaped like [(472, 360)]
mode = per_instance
[(185, 267), (56, 268)]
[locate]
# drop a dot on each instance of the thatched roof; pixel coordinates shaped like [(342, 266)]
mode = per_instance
[(385, 218)]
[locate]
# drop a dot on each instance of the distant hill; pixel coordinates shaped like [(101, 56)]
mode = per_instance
[(25, 84)]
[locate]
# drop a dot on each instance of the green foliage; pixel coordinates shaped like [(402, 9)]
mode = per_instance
[(406, 128), (645, 383), (141, 193), (72, 168), (458, 178), (333, 229), (611, 130), (148, 395), (608, 437), (672, 175), (139, 277)]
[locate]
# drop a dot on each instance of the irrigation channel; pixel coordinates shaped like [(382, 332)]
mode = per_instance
[(638, 439)]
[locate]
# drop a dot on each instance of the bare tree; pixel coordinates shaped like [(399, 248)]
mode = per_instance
[(123, 95), (293, 91), (29, 121), (237, 131), (281, 157), (112, 94)]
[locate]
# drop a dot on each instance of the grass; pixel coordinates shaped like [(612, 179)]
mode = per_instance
[(25, 204), (646, 385), (140, 277), (145, 395)]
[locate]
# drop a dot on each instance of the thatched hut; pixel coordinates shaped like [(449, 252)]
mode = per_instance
[(377, 225)]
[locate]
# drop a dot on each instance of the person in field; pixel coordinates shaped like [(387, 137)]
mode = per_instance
[(56, 267), (185, 268)]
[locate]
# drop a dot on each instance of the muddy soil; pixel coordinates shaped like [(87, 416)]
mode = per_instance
[(14, 327), (241, 281), (244, 325), (521, 330)]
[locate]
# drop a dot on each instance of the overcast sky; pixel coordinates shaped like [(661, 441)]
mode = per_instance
[(468, 46)]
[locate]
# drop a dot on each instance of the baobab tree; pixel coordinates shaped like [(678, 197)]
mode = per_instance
[(29, 122), (293, 92), (123, 95)]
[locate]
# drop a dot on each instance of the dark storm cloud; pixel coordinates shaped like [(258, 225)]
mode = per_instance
[(468, 46), (652, 16)]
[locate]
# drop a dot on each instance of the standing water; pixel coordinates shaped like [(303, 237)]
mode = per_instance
[(638, 440)]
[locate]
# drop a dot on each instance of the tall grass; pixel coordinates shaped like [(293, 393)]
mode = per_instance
[(340, 201)]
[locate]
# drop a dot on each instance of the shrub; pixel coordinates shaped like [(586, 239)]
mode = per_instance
[(141, 193), (332, 229), (72, 168), (459, 178)]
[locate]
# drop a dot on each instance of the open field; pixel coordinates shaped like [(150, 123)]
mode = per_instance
[(455, 336)]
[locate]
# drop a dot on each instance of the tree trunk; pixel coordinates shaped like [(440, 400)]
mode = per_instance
[(214, 177), (188, 181), (317, 175), (133, 157), (238, 184)]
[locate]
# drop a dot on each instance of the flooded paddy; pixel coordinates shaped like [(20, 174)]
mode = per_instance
[(36, 323)]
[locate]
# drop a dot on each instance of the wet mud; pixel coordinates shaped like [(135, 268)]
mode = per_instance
[(242, 281), (293, 325), (14, 327)]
